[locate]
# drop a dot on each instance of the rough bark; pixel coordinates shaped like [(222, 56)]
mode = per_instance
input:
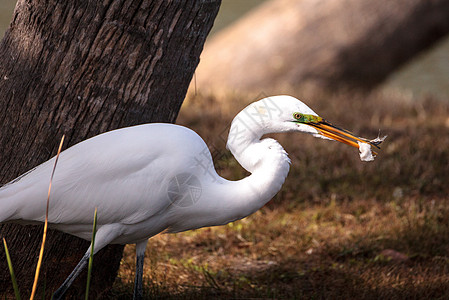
[(80, 68), (327, 44)]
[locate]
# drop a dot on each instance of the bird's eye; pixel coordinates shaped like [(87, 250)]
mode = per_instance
[(297, 115)]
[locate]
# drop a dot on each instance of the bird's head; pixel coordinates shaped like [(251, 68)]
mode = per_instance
[(286, 113)]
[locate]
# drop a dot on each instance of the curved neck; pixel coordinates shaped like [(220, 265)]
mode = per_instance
[(227, 201), (265, 159)]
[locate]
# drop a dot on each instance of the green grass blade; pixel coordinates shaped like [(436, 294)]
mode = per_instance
[(91, 258), (44, 289), (11, 271)]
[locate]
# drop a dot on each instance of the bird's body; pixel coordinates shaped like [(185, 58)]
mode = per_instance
[(155, 178), (143, 180)]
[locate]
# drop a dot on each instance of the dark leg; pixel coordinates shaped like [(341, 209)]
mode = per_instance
[(59, 294), (140, 255), (105, 234)]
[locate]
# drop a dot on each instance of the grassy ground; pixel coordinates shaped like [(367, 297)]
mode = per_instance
[(339, 228)]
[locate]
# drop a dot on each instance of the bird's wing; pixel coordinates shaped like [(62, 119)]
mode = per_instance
[(124, 173)]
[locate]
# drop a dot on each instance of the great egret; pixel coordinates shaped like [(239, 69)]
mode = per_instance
[(156, 178)]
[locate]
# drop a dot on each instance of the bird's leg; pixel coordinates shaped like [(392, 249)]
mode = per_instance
[(140, 255), (59, 294), (105, 234)]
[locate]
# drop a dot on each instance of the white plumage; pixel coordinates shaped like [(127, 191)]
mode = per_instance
[(152, 178)]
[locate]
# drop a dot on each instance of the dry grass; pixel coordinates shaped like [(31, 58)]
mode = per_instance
[(324, 234)]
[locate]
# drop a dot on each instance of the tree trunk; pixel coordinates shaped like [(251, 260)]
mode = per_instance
[(81, 68), (325, 44)]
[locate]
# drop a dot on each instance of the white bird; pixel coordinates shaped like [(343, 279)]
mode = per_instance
[(155, 178)]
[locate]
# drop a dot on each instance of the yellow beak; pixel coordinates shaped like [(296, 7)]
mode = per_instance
[(338, 134)]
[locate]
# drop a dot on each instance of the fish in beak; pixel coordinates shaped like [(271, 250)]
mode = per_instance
[(333, 132)]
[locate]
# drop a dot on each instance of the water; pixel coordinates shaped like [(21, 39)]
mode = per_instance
[(231, 10), (427, 74), (6, 10)]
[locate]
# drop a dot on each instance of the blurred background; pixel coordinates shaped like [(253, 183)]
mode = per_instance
[(339, 228), (426, 74)]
